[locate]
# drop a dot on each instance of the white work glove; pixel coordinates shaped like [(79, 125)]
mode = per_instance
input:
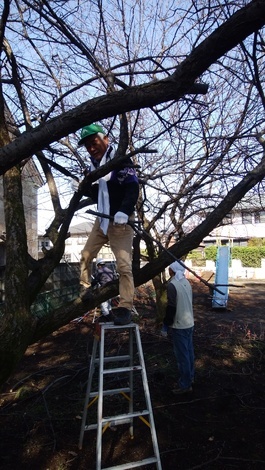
[(120, 218)]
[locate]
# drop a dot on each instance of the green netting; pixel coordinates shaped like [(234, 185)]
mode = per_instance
[(51, 300)]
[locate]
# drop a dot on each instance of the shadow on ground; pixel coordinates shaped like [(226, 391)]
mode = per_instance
[(220, 425)]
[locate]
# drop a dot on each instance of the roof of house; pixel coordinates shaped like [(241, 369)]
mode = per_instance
[(84, 228), (251, 201)]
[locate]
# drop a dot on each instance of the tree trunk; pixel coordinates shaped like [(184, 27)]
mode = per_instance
[(17, 322), (161, 297)]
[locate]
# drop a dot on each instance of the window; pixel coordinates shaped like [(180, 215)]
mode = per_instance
[(259, 217), (81, 240), (227, 220), (45, 243), (246, 217)]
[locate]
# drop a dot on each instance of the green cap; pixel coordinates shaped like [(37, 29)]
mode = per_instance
[(89, 130)]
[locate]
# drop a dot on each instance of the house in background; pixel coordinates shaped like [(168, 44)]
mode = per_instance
[(74, 244), (31, 182), (246, 221)]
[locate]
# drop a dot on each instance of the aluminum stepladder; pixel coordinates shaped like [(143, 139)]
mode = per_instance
[(98, 357)]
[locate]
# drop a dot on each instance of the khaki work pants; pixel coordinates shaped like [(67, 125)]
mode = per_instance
[(120, 238)]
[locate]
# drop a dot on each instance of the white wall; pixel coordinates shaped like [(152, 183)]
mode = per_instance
[(236, 271)]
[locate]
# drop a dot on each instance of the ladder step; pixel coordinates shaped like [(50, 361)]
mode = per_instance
[(111, 326), (113, 358), (122, 369), (119, 419), (135, 414), (126, 420), (113, 391), (89, 427), (139, 463)]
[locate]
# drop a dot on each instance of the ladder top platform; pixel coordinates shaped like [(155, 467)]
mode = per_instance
[(111, 326)]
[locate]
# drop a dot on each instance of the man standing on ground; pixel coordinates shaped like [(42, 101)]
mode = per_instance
[(179, 316), (116, 195)]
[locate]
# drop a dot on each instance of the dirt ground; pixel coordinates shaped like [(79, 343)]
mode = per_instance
[(221, 425)]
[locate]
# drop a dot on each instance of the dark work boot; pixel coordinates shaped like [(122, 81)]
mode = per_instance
[(122, 316), (106, 318)]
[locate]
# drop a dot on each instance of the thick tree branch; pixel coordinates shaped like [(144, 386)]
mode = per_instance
[(239, 26)]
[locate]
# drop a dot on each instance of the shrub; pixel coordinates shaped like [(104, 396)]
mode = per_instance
[(197, 257), (211, 252), (250, 256)]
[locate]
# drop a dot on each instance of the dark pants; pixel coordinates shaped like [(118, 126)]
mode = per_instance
[(183, 350)]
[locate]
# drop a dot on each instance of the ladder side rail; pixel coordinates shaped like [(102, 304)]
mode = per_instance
[(88, 391), (147, 397), (100, 399), (131, 432)]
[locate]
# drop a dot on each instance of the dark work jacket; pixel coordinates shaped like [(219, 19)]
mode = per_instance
[(123, 190), (103, 275)]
